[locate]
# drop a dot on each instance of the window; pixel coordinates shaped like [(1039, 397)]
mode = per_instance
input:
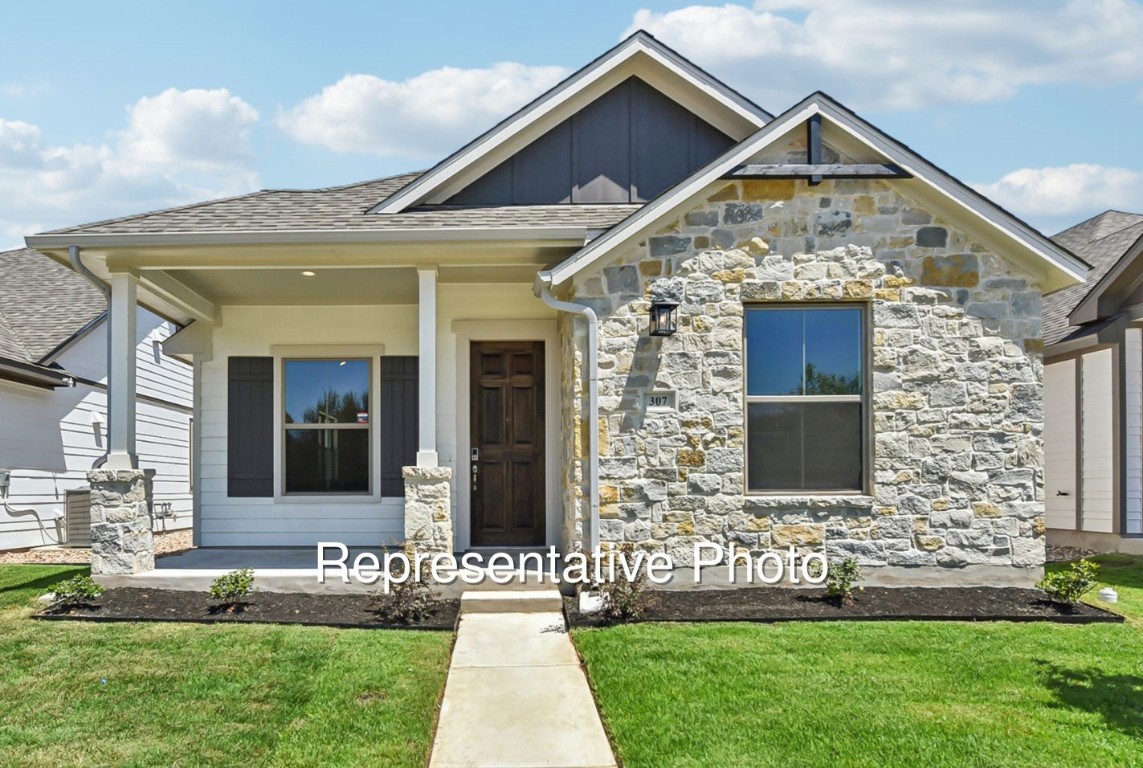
[(327, 426), (805, 383)]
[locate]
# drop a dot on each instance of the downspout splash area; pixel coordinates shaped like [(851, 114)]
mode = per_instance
[(78, 265), (544, 292)]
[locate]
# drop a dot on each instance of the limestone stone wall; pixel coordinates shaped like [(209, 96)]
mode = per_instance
[(956, 475), (428, 507), (121, 538)]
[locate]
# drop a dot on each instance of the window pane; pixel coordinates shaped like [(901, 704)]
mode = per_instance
[(327, 460), (774, 352), (804, 446), (833, 352), (327, 391)]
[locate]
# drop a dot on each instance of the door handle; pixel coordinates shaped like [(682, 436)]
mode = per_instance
[(475, 466)]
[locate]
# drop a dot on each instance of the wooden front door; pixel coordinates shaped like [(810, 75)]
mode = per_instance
[(506, 468)]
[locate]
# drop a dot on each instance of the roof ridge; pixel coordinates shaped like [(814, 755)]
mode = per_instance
[(341, 187)]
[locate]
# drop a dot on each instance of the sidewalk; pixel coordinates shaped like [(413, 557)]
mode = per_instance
[(517, 697)]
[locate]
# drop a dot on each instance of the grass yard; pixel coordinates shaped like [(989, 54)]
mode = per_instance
[(189, 695), (860, 694), (1125, 574)]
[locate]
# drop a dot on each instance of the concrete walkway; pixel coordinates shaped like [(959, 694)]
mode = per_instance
[(516, 696)]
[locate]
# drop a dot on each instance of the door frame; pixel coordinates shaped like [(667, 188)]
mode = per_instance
[(468, 331)]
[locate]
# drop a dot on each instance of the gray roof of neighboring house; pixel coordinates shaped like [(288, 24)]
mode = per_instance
[(342, 208), (42, 305), (1101, 241)]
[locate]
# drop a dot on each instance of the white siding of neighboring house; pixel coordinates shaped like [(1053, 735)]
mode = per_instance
[(48, 441), (253, 330), (1060, 445), (1133, 426), (1098, 435)]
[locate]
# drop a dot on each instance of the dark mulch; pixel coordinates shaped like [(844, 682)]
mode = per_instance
[(769, 604), (261, 608)]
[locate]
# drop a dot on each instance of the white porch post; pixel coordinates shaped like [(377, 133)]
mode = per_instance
[(121, 377), (427, 371)]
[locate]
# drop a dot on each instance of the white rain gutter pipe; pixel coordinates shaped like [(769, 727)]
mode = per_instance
[(78, 265), (544, 291)]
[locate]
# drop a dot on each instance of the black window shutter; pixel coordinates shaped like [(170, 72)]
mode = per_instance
[(398, 421), (250, 432)]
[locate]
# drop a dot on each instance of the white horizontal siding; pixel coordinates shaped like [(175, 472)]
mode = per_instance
[(1060, 485), (1098, 442), (1133, 430), (48, 441)]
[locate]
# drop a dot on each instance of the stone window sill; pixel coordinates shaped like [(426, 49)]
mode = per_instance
[(812, 502)]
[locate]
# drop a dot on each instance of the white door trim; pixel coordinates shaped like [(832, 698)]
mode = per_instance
[(543, 330)]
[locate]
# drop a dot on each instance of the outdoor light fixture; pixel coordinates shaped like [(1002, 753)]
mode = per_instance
[(308, 273), (664, 318)]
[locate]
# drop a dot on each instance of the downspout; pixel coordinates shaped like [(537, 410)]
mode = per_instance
[(78, 265), (544, 291)]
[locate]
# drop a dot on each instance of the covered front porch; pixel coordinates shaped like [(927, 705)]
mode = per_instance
[(289, 449)]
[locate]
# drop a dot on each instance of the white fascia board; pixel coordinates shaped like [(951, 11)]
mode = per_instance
[(101, 240), (436, 178), (1087, 310), (681, 195), (689, 190)]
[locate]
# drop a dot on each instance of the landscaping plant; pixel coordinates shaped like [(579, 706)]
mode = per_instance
[(1070, 585), (76, 592), (408, 600), (230, 589), (841, 579), (624, 594)]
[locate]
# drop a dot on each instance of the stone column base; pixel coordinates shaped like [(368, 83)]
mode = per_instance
[(428, 508), (121, 539)]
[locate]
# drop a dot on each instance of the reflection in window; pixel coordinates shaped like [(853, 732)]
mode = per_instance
[(805, 406), (327, 426)]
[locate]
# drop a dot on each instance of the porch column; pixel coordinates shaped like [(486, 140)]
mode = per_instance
[(121, 376), (427, 372)]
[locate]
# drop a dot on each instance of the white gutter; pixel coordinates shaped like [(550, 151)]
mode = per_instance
[(544, 291), (78, 265)]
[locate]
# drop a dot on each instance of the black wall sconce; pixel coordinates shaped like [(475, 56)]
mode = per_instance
[(664, 318)]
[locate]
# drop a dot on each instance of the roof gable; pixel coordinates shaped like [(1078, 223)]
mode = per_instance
[(640, 55), (981, 219), (627, 146)]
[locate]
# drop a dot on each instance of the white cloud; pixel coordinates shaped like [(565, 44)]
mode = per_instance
[(900, 54), (1057, 197), (178, 147), (426, 115)]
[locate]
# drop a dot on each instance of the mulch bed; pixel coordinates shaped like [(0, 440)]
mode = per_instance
[(351, 611), (762, 604)]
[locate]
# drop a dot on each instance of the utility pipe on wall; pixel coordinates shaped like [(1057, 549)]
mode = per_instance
[(544, 286)]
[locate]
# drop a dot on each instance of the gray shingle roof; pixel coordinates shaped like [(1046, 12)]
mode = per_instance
[(345, 208), (1101, 241), (42, 305)]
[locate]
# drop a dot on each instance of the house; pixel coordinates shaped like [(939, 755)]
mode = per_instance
[(640, 309), (1093, 391), (53, 405)]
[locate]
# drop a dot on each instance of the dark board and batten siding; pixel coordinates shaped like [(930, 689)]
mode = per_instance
[(250, 418), (627, 146), (397, 420), (250, 427)]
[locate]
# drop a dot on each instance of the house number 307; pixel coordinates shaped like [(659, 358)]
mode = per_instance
[(660, 401)]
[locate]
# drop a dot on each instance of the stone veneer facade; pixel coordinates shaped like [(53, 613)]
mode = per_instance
[(956, 476), (428, 513), (121, 534)]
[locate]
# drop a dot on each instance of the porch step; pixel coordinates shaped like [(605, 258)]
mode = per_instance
[(515, 601)]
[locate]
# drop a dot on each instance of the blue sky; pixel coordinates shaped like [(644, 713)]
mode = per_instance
[(114, 108)]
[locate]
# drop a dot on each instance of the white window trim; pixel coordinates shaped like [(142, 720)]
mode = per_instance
[(283, 352)]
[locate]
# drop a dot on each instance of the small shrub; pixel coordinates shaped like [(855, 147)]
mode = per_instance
[(624, 598), (230, 588), (841, 579), (1069, 586), (76, 592), (410, 600)]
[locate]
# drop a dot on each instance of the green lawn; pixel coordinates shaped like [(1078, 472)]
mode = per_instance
[(82, 694), (860, 694), (1125, 574)]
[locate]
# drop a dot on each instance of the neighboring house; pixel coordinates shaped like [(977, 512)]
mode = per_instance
[(847, 353), (53, 404), (1093, 391)]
